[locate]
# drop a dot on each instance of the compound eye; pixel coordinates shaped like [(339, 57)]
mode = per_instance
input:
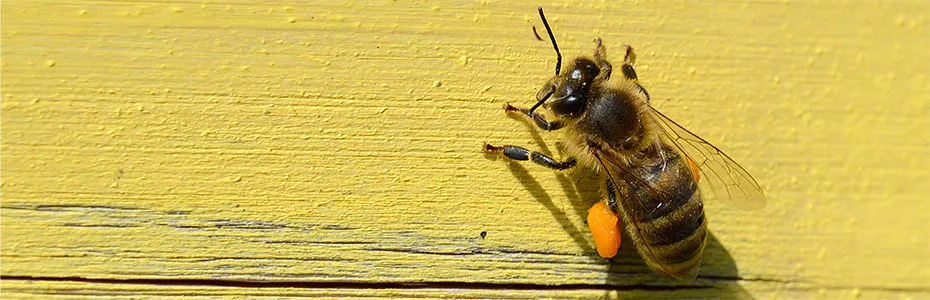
[(584, 70), (570, 106)]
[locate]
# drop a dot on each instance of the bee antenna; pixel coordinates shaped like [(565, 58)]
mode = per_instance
[(541, 101), (558, 64)]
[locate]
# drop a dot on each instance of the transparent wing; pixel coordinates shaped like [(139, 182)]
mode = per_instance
[(616, 171), (721, 178), (620, 175)]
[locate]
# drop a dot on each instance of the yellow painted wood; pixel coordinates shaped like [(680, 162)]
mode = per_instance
[(764, 290), (312, 144)]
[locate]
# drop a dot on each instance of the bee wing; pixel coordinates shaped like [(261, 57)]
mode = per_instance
[(615, 171), (721, 178)]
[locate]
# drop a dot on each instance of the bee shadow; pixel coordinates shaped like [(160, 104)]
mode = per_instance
[(719, 274), (539, 193), (582, 189)]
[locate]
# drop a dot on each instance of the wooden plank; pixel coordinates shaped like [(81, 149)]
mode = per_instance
[(327, 143), (38, 289)]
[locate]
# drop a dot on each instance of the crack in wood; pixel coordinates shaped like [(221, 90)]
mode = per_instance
[(362, 285)]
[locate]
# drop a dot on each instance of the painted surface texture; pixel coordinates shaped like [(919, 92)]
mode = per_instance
[(333, 149)]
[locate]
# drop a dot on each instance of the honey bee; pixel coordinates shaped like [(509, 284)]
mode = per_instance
[(656, 171)]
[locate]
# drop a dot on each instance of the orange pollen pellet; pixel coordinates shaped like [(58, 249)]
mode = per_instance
[(605, 227)]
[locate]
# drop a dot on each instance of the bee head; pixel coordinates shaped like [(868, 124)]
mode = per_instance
[(568, 93)]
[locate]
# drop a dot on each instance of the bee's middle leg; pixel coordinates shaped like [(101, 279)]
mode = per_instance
[(628, 58), (540, 121), (520, 153), (629, 72)]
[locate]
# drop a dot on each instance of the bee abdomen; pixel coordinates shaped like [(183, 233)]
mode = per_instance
[(669, 228), (679, 224), (674, 244)]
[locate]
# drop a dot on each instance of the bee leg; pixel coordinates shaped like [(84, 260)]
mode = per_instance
[(600, 56), (629, 72), (611, 195), (540, 121), (520, 153), (628, 59)]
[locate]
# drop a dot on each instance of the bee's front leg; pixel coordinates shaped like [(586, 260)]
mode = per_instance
[(600, 55), (520, 153), (540, 121)]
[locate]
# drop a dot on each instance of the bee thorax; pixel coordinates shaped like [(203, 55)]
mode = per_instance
[(613, 117)]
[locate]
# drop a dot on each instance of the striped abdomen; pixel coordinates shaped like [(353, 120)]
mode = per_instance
[(666, 219)]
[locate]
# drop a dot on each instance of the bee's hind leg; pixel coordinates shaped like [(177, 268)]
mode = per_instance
[(520, 153), (611, 194)]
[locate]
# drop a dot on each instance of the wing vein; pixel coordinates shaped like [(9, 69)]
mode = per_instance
[(723, 179)]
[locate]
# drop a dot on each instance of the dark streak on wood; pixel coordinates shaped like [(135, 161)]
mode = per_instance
[(361, 285)]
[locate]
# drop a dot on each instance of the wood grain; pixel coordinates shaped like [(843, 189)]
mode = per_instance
[(333, 149)]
